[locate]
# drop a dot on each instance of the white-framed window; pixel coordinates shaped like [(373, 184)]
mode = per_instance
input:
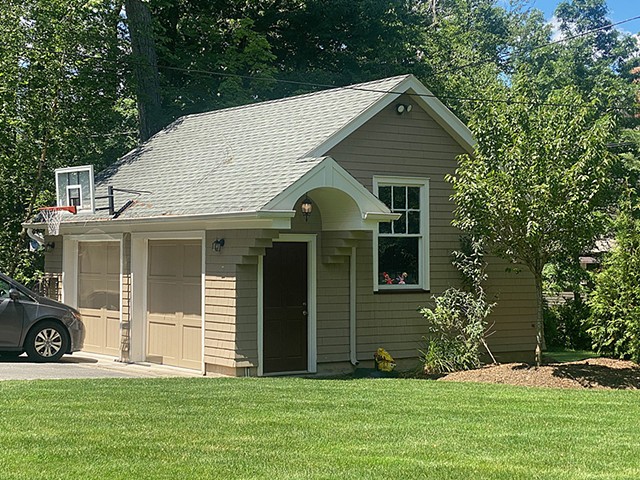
[(401, 247)]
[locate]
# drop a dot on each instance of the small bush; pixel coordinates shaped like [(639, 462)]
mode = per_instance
[(456, 327), (456, 324), (565, 325)]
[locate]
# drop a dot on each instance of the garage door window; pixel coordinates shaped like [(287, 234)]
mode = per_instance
[(99, 275)]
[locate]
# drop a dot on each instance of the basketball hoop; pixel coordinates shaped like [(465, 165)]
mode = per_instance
[(52, 216)]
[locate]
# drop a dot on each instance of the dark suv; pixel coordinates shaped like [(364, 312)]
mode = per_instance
[(31, 323)]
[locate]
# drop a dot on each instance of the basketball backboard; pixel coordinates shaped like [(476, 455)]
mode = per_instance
[(74, 187)]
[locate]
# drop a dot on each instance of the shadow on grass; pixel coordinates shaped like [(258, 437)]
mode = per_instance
[(589, 375)]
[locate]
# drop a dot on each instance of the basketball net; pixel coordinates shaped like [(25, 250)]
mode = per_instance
[(52, 216)]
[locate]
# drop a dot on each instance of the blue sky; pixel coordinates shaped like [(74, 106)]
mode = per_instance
[(618, 10)]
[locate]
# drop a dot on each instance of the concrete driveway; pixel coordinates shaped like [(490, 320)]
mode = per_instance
[(85, 365)]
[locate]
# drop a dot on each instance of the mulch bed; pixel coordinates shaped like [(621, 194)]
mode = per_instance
[(602, 373)]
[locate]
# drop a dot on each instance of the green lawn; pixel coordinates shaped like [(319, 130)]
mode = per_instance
[(296, 428), (565, 355)]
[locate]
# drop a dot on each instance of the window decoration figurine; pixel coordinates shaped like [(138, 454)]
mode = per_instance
[(401, 279), (387, 279)]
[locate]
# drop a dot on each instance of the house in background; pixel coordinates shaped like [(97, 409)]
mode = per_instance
[(296, 235)]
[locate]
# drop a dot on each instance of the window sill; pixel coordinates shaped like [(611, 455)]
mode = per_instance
[(386, 291)]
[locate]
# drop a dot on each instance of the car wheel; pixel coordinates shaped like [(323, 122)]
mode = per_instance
[(46, 342)]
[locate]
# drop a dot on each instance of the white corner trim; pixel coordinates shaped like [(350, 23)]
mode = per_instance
[(260, 301), (70, 271), (353, 312)]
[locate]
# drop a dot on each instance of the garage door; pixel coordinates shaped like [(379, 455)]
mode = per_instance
[(174, 322), (99, 295)]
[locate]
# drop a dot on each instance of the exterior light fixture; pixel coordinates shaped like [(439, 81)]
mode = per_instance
[(217, 245), (306, 207), (402, 108)]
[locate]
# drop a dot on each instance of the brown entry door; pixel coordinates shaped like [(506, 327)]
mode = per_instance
[(285, 308)]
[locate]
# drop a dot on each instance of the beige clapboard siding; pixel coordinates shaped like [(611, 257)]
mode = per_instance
[(246, 354), (231, 328), (332, 312), (414, 145)]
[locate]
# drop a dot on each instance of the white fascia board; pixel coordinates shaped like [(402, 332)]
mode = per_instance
[(322, 149), (328, 173), (237, 220), (441, 114), (423, 97)]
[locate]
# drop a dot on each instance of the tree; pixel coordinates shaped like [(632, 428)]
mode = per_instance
[(145, 67), (63, 103), (615, 319), (536, 189)]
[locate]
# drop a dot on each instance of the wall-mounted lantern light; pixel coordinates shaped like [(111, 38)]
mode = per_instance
[(218, 243), (402, 108), (306, 207)]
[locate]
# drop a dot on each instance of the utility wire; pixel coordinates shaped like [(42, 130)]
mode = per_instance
[(449, 68), (193, 71)]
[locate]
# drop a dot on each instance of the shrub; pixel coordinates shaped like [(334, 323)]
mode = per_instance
[(615, 303), (456, 324), (565, 325)]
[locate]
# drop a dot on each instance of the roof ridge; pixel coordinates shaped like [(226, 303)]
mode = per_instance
[(356, 86)]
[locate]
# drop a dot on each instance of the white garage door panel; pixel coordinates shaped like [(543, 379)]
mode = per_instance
[(99, 295), (174, 289)]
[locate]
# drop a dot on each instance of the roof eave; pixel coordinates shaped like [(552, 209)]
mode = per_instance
[(244, 219)]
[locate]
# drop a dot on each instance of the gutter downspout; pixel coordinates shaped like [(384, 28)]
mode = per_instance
[(353, 356), (35, 236)]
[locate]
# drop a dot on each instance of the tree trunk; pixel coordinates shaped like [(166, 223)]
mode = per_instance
[(539, 318), (145, 68)]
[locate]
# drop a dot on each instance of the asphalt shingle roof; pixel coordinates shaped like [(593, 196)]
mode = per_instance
[(236, 159)]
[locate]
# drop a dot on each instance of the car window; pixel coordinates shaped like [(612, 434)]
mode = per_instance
[(4, 289)]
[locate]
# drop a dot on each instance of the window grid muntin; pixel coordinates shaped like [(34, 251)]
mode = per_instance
[(404, 209), (414, 192)]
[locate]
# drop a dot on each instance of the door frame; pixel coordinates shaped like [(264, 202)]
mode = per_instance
[(70, 267), (139, 272), (312, 343)]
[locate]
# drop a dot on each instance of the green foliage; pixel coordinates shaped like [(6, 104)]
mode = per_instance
[(615, 303), (456, 325), (565, 325), (538, 187), (63, 103)]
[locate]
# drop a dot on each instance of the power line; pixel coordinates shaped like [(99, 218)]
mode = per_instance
[(192, 71), (477, 63)]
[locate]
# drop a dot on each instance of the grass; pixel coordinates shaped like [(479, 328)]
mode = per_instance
[(566, 355), (297, 428)]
